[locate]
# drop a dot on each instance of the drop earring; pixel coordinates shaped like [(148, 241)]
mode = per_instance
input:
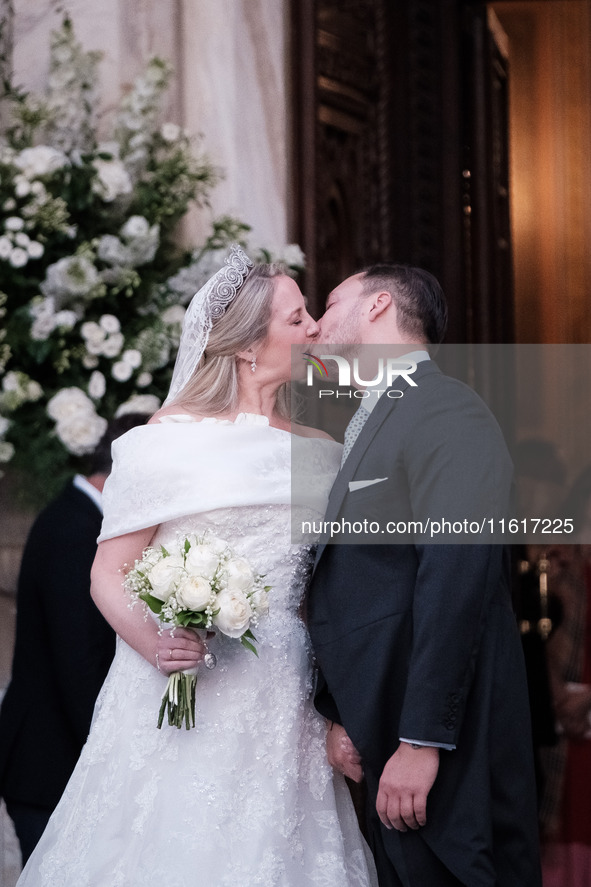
[(253, 363)]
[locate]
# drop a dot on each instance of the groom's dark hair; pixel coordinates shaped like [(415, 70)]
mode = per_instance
[(417, 294)]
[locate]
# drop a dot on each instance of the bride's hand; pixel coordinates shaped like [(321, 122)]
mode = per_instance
[(342, 754), (178, 650)]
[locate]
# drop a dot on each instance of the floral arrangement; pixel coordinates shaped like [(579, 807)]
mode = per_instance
[(92, 283), (197, 582)]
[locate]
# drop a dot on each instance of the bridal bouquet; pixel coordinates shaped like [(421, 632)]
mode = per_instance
[(198, 582)]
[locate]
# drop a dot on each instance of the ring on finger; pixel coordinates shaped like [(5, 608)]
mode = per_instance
[(170, 651)]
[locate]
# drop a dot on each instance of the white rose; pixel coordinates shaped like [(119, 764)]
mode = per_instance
[(234, 612), (139, 403), (66, 320), (70, 276), (216, 544), (132, 357), (135, 226), (35, 249), (6, 451), (170, 132), (111, 250), (34, 390), (4, 425), (89, 361), (121, 371), (202, 561), (97, 385), (239, 574), (259, 601), (42, 327), (109, 323), (164, 576), (9, 205), (112, 346), (18, 257), (22, 239), (112, 179), (143, 380), (81, 433), (68, 403), (194, 593), (22, 186), (14, 223), (92, 332), (5, 246), (10, 381)]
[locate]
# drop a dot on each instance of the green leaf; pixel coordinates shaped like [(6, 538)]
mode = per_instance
[(248, 645), (153, 603)]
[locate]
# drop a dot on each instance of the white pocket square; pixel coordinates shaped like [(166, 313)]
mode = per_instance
[(360, 484)]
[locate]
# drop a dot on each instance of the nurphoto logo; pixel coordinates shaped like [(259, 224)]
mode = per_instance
[(349, 374)]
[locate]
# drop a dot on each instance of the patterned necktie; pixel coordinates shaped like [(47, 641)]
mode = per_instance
[(353, 430)]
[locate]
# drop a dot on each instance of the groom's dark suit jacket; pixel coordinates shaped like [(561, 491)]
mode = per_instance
[(418, 641), (63, 651)]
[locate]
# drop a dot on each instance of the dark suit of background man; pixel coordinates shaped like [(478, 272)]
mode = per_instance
[(62, 653), (420, 662)]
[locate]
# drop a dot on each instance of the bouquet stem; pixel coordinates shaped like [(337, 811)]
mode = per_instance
[(179, 701)]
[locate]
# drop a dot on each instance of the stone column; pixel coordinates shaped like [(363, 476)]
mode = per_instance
[(235, 92)]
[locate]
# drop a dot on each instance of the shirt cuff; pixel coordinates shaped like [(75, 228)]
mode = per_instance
[(428, 744)]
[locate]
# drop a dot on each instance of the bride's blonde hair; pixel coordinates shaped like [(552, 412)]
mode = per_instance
[(213, 387)]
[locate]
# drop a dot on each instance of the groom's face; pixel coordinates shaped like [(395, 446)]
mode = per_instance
[(341, 322)]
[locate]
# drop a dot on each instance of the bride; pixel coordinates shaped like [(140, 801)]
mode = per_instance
[(247, 796)]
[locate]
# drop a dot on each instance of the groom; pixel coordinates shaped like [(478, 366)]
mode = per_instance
[(420, 667)]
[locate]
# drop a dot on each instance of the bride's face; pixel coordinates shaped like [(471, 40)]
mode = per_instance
[(290, 324)]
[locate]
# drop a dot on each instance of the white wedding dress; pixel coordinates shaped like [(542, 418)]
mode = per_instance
[(247, 797)]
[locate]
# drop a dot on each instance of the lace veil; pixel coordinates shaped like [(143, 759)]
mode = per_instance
[(207, 306)]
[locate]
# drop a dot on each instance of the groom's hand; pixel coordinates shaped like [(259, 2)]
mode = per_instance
[(342, 754), (404, 785)]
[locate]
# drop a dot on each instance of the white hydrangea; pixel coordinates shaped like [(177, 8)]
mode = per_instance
[(70, 277), (139, 403), (39, 161), (20, 388), (112, 179), (68, 403), (112, 251), (81, 433), (135, 226), (5, 247)]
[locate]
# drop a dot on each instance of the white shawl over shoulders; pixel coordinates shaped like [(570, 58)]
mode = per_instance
[(165, 471)]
